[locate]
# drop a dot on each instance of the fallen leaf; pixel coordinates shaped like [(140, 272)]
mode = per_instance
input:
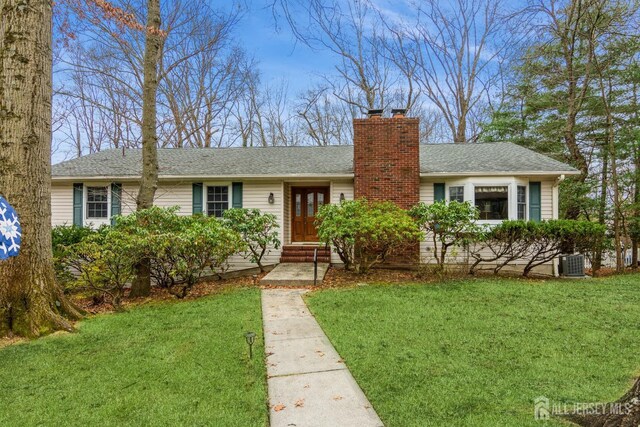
[(337, 397), (306, 386), (299, 403), (279, 407)]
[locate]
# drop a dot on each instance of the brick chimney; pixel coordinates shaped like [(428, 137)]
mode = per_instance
[(387, 158)]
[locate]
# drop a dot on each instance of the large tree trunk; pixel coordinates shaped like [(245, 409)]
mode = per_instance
[(149, 180), (31, 302)]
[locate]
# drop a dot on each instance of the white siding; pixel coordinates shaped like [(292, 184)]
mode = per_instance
[(459, 255), (341, 187), (129, 195), (255, 194), (337, 188), (61, 204), (546, 200)]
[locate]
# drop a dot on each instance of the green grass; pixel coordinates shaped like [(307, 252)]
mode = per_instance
[(478, 352), (165, 364)]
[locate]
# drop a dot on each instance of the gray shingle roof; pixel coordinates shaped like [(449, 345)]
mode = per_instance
[(291, 161)]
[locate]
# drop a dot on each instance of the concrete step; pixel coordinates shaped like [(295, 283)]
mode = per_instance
[(305, 248), (305, 253), (303, 258), (294, 274)]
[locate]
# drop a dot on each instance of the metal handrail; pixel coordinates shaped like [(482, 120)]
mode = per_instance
[(315, 266)]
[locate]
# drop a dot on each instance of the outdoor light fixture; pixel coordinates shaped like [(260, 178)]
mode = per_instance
[(251, 338), (271, 199), (341, 197)]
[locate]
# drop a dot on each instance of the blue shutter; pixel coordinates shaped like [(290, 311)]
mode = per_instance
[(438, 192), (197, 198), (78, 190), (116, 201), (236, 188), (535, 208)]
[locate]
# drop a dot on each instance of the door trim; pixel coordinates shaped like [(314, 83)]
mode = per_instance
[(302, 236)]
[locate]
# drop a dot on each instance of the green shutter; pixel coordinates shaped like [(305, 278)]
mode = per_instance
[(236, 188), (197, 198), (77, 204), (438, 192), (116, 201), (535, 208)]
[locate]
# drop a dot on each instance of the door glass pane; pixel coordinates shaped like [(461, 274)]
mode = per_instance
[(310, 204), (298, 204), (320, 200)]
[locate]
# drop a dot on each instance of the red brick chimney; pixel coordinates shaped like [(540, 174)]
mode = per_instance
[(387, 158)]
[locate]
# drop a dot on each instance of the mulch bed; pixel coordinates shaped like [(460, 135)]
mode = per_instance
[(206, 287)]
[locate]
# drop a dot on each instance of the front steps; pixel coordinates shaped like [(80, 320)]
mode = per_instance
[(304, 253)]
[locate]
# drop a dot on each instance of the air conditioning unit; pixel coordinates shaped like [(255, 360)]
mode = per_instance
[(572, 265)]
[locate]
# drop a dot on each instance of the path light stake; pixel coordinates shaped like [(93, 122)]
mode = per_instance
[(251, 338)]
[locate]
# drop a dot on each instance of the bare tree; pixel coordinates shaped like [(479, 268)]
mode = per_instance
[(325, 120), (197, 75), (454, 49), (365, 77)]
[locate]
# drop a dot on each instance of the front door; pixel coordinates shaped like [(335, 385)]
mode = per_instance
[(306, 202)]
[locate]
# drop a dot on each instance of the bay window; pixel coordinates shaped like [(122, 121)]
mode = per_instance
[(492, 201)]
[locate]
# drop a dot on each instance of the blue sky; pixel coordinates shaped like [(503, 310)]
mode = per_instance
[(276, 50), (279, 55)]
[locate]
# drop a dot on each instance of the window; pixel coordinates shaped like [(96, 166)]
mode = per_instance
[(217, 200), (456, 193), (522, 202), (309, 204), (97, 204), (492, 202)]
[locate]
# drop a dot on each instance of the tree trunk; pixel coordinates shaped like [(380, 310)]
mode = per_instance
[(149, 180), (636, 191), (602, 210), (31, 302)]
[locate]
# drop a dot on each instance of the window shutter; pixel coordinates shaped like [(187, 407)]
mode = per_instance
[(197, 198), (116, 200), (236, 188), (438, 192), (535, 196), (78, 190)]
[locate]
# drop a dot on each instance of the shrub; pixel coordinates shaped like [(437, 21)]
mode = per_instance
[(257, 229), (535, 242), (557, 236), (448, 224), (503, 243), (105, 262), (62, 237), (65, 235), (365, 233), (150, 221), (180, 259)]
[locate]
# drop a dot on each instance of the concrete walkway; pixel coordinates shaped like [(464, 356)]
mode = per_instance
[(309, 385)]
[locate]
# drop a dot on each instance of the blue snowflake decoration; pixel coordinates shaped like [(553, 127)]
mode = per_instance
[(10, 231)]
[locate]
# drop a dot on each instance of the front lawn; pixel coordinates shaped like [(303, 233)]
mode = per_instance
[(165, 364), (478, 352)]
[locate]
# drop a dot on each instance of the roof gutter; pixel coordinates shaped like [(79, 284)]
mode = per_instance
[(500, 173), (198, 177)]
